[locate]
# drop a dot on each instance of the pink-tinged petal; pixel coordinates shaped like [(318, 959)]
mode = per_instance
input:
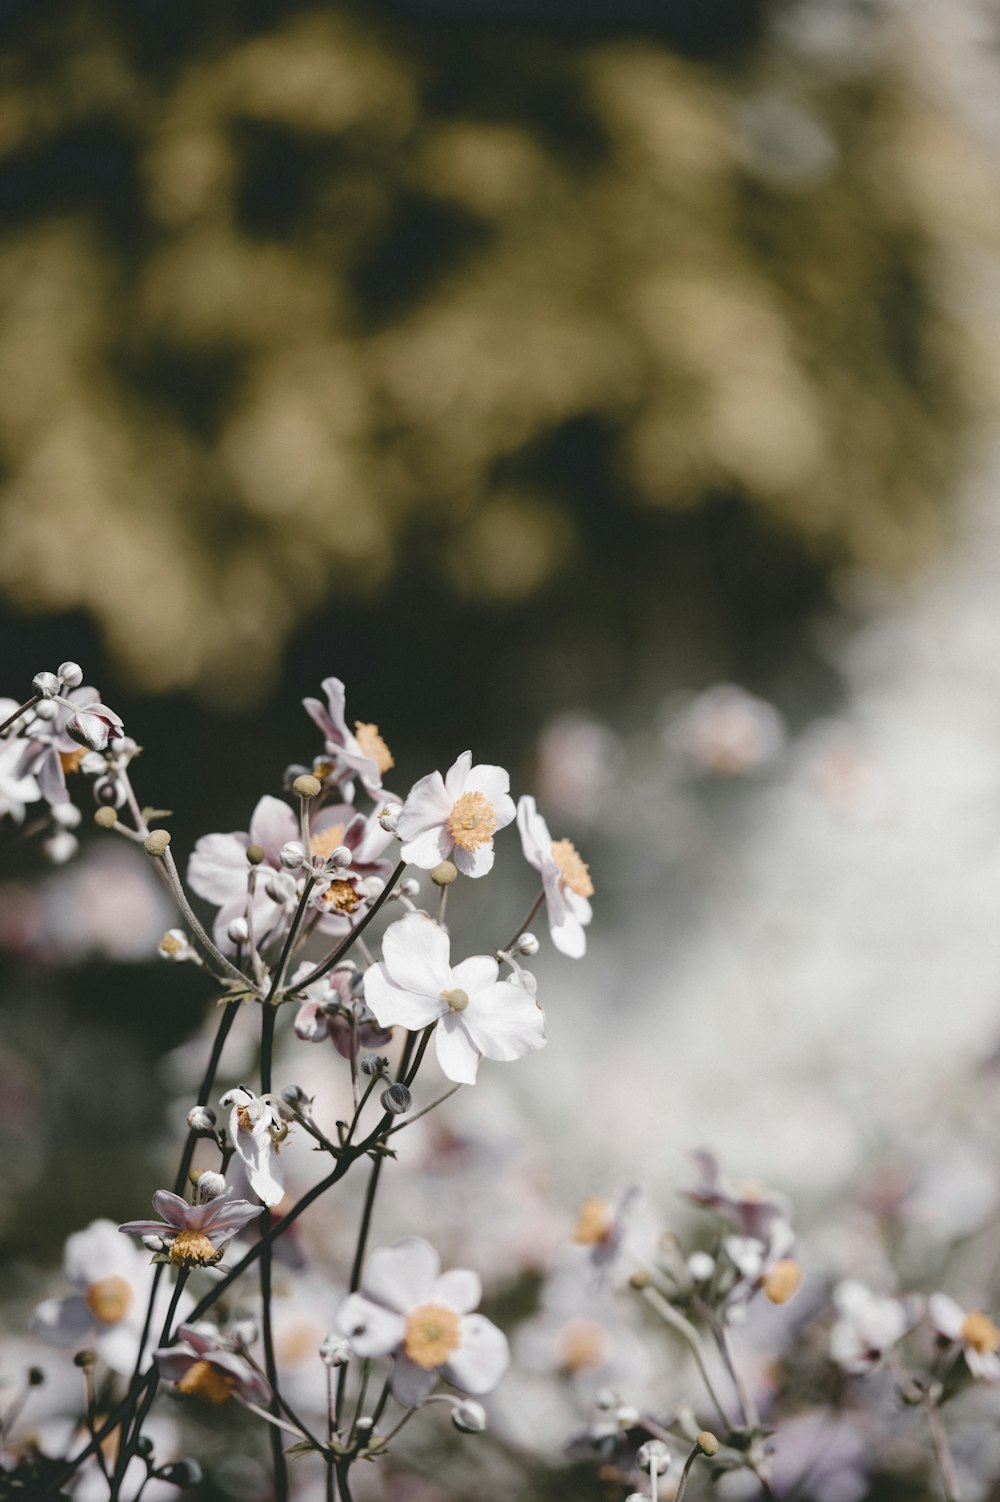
[(218, 868), (371, 1329), (311, 1024), (460, 1289), (200, 1338), (344, 814), (329, 717), (411, 1384), (391, 1006), (416, 953), (536, 842), (174, 1362), (427, 803), (482, 1358), (98, 1252), (456, 775), (63, 1322), (474, 862), (173, 1209), (403, 1275), (428, 849), (456, 1052), (504, 1022), (227, 1216), (146, 1228), (946, 1316), (475, 973), (273, 824)]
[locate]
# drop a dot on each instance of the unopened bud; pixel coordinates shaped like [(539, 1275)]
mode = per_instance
[(202, 1119), (66, 815), (71, 674), (373, 887), (626, 1416), (292, 855), (469, 1416), (701, 1266), (238, 931), (335, 1350), (144, 1445), (280, 887), (409, 888), (210, 1185), (653, 1456), (61, 847), (373, 1064), (46, 709), (606, 1400), (105, 818), (157, 841), (255, 854), (640, 1279), (244, 1332), (294, 1095), (46, 685), (444, 873), (388, 817), (109, 792), (528, 945), (307, 786), (84, 1359), (154, 1243), (340, 857), (707, 1442), (396, 1099)]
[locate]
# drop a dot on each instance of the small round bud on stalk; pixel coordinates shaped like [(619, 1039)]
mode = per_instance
[(364, 1425), (528, 945), (182, 1473), (84, 1359), (444, 873), (244, 1332), (388, 817), (280, 887), (154, 1243), (109, 792), (373, 1064), (294, 1095), (707, 1442), (335, 1351), (292, 855), (157, 841), (307, 786), (701, 1266), (373, 887), (640, 1279), (626, 1416), (144, 1445), (46, 685), (202, 1119), (93, 764), (71, 674), (36, 1377), (238, 931), (653, 1456), (174, 945), (66, 815), (469, 1417), (409, 888), (397, 1100), (340, 857), (105, 818), (46, 709), (210, 1185), (61, 847), (255, 854)]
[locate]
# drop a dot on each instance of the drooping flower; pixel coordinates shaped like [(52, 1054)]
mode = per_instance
[(112, 1281), (257, 1127), (455, 817), (196, 1235), (331, 1008), (867, 1327), (94, 725), (362, 754), (565, 880), (423, 1318), (48, 751), (477, 1014), (973, 1330), (203, 1366)]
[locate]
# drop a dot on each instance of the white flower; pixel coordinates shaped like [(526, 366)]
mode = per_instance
[(16, 789), (256, 1127), (455, 817), (867, 1328), (409, 1309), (979, 1336), (726, 732), (477, 1014), (565, 880), (363, 754)]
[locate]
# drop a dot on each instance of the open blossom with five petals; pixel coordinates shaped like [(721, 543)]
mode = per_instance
[(565, 880), (362, 754), (455, 817), (973, 1330), (477, 1014), (257, 1127), (408, 1309), (195, 1234), (203, 1366)]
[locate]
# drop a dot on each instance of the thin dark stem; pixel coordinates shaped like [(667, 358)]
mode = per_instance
[(345, 1490), (28, 704), (286, 948), (356, 1266), (520, 930), (421, 1050), (129, 1441), (268, 1017), (383, 1399), (349, 938)]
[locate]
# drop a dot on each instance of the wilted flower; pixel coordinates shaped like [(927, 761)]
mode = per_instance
[(975, 1331), (257, 1127), (201, 1365), (565, 880), (455, 817), (477, 1014), (423, 1318), (196, 1234)]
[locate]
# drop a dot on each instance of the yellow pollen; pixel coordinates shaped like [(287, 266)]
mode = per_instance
[(326, 842), (979, 1331), (109, 1299), (171, 944), (594, 1223), (193, 1249), (782, 1280), (583, 1345), (458, 999), (575, 872), (472, 821), (70, 760), (432, 1333), (244, 1118), (374, 746), (203, 1380), (342, 896)]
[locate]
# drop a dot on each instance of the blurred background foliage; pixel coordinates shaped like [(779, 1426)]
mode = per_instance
[(313, 312)]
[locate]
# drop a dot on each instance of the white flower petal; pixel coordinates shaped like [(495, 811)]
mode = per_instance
[(504, 1022), (475, 973), (100, 1251), (63, 1322), (416, 952), (460, 1289), (428, 848), (474, 862), (427, 803), (403, 1275), (536, 842), (393, 1006), (482, 1358), (456, 775), (217, 869), (272, 825), (457, 1054), (411, 1384), (371, 1329), (568, 935), (493, 783), (945, 1315)]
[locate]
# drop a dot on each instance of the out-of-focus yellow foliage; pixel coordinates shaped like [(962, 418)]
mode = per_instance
[(266, 309)]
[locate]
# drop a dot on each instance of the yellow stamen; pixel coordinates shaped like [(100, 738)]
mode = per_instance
[(193, 1249), (326, 841), (170, 944), (583, 1345), (109, 1299), (979, 1331), (342, 896), (373, 745), (457, 999), (594, 1223), (203, 1380), (432, 1333), (472, 821), (575, 872), (782, 1280), (70, 760)]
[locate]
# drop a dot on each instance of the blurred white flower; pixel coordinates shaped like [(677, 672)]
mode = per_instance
[(727, 732), (973, 1330), (565, 880)]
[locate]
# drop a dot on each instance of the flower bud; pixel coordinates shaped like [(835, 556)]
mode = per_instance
[(46, 709), (36, 1377), (280, 887), (154, 1243), (373, 887), (653, 1456), (202, 1119), (71, 674), (701, 1266), (61, 847), (469, 1417), (373, 1064), (626, 1416), (388, 817), (66, 815), (444, 873), (144, 1445), (335, 1350), (84, 1359), (244, 1332), (157, 841), (108, 792), (294, 1095), (46, 685), (340, 857), (707, 1442), (182, 1473), (210, 1185), (640, 1279), (238, 931), (396, 1099), (606, 1400), (409, 888), (255, 854), (94, 726), (528, 945), (307, 786), (292, 855)]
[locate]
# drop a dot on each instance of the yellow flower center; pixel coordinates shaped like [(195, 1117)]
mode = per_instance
[(979, 1331), (782, 1280), (583, 1345), (594, 1223), (171, 944), (472, 821), (109, 1299), (457, 999), (70, 760), (575, 872), (432, 1333), (203, 1380), (342, 896), (326, 841), (373, 745), (193, 1249)]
